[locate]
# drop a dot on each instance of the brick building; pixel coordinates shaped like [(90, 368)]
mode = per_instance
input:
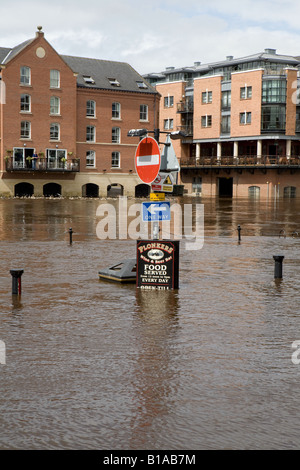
[(242, 121), (64, 122)]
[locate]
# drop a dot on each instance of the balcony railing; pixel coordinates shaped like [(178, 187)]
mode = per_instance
[(185, 107), (242, 161), (42, 164)]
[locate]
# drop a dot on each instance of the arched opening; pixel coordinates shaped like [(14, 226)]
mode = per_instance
[(90, 190), (254, 191), (52, 189), (142, 190), (114, 190), (24, 190)]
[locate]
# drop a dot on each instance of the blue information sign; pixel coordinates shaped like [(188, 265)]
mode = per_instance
[(155, 211)]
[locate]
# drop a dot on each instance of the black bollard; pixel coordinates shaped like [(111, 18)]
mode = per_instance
[(70, 233), (239, 232), (16, 281), (278, 266)]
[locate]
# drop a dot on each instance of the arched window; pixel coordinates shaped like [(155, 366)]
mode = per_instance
[(254, 191)]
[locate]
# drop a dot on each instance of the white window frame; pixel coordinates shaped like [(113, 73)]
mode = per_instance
[(116, 135), (206, 97), (246, 92), (54, 131), (90, 134), (144, 109), (115, 159), (116, 110), (168, 101), (24, 103), (25, 130), (54, 105), (90, 161), (25, 75), (91, 108), (245, 118), (54, 78)]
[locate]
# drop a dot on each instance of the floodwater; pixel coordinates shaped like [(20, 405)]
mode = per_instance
[(97, 365)]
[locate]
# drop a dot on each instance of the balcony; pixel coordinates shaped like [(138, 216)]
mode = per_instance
[(184, 107), (266, 161), (39, 165)]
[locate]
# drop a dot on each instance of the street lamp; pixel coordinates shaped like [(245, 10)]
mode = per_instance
[(175, 135)]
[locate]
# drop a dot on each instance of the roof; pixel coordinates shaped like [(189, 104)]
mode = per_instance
[(108, 75), (94, 73)]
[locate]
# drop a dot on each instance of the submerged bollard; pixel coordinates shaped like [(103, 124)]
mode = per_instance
[(70, 234), (16, 281), (239, 232), (278, 266)]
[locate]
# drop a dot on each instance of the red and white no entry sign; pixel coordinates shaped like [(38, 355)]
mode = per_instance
[(147, 160)]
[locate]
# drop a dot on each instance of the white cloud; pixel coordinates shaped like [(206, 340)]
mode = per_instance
[(156, 34)]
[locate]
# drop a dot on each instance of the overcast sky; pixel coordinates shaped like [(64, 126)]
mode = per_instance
[(152, 35)]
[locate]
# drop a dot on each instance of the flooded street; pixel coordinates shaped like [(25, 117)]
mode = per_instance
[(98, 365)]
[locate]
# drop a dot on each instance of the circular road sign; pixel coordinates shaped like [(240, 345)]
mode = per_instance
[(147, 159)]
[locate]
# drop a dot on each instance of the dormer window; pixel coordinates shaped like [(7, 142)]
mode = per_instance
[(114, 82), (141, 85), (88, 79)]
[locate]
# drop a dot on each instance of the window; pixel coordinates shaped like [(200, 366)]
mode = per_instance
[(115, 135), (115, 159), (116, 111), (114, 82), (273, 91), (25, 76), (197, 184), (25, 130), (88, 79), (54, 131), (206, 121), (206, 97), (141, 84), (56, 158), (246, 92), (226, 99), (273, 118), (289, 191), (90, 134), (168, 124), (54, 78), (91, 108), (90, 158), (143, 112), (245, 118), (225, 124), (168, 101), (254, 191), (25, 104), (54, 105)]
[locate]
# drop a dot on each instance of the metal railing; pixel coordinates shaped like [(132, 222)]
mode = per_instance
[(41, 164), (244, 160)]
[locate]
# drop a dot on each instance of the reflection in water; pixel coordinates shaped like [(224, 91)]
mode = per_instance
[(98, 365)]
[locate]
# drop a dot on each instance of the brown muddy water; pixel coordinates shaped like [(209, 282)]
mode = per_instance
[(97, 365)]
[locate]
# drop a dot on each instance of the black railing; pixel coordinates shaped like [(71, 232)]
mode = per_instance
[(245, 160), (41, 164)]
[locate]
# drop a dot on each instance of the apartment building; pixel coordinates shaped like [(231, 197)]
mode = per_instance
[(64, 122), (241, 118)]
